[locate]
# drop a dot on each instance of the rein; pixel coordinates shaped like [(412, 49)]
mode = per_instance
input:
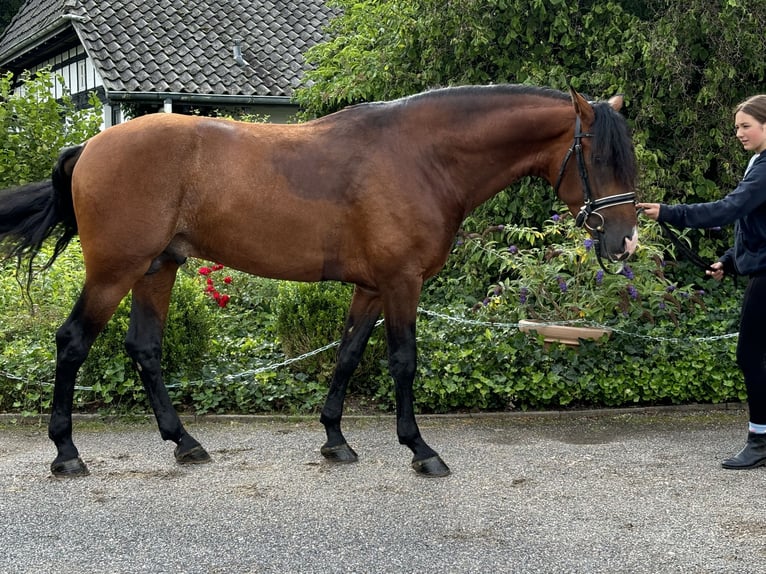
[(590, 206), (689, 253)]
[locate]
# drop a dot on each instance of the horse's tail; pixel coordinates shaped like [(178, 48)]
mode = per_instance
[(31, 213)]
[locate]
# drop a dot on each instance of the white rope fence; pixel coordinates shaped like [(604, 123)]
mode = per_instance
[(249, 374)]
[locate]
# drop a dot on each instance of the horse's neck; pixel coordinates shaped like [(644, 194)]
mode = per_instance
[(487, 150)]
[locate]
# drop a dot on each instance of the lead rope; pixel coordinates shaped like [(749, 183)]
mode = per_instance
[(689, 253)]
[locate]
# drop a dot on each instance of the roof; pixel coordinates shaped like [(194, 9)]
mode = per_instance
[(166, 46), (35, 17)]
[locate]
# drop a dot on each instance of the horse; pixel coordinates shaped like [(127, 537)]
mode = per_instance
[(371, 195)]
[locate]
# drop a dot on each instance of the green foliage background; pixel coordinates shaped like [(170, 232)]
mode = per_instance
[(33, 130)]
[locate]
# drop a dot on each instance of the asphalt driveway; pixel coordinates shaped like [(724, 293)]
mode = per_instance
[(638, 492)]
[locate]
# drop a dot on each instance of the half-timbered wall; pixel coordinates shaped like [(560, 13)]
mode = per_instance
[(80, 79)]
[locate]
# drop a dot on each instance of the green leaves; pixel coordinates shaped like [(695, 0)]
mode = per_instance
[(35, 126)]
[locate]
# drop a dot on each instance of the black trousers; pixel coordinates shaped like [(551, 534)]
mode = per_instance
[(751, 347)]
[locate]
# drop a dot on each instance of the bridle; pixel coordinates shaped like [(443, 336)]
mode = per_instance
[(591, 207)]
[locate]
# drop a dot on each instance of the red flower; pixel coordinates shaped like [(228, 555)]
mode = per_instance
[(207, 272)]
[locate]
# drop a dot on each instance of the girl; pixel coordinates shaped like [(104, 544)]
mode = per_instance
[(746, 208)]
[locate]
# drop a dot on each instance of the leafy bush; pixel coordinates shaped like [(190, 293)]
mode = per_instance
[(27, 345), (473, 361), (497, 367), (310, 315), (28, 323), (682, 66), (35, 126), (551, 273)]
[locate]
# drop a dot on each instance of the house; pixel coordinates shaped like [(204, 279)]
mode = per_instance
[(141, 56)]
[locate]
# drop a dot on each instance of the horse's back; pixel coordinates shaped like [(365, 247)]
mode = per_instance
[(269, 199)]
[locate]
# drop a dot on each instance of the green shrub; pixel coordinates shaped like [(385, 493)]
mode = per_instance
[(33, 129), (27, 341), (551, 273), (311, 315), (28, 323), (497, 367)]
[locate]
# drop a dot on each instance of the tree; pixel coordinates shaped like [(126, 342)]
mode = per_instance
[(34, 127)]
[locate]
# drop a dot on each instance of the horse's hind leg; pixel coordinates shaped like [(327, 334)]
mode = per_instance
[(73, 342), (149, 307), (364, 312)]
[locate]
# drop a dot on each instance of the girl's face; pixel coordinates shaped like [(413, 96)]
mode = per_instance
[(750, 132)]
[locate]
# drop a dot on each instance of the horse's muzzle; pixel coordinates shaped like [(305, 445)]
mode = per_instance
[(622, 251)]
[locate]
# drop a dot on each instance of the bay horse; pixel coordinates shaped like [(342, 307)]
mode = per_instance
[(371, 195)]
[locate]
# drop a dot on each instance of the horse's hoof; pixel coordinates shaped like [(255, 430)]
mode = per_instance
[(340, 453), (71, 468), (433, 466), (195, 455)]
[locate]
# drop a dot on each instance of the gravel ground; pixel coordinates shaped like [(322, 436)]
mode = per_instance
[(638, 492)]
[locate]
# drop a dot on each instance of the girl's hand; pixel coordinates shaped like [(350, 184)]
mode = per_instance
[(651, 210), (717, 272)]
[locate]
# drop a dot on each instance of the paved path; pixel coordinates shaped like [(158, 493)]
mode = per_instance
[(633, 493)]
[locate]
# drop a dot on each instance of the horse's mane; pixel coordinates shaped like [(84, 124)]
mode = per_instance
[(469, 93), (611, 143), (483, 91)]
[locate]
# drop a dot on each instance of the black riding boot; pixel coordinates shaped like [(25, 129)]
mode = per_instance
[(753, 455)]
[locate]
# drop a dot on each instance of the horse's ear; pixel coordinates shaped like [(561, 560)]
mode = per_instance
[(616, 102), (581, 106)]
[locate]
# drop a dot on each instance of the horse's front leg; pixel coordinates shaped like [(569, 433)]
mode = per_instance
[(402, 360), (364, 312)]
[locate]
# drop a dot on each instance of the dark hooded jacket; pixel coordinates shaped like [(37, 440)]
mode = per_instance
[(745, 207)]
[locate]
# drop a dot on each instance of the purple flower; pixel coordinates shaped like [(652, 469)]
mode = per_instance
[(599, 276), (628, 272), (555, 217), (670, 288), (562, 284), (588, 244), (661, 305), (500, 227), (633, 292), (523, 292), (486, 301), (459, 242), (513, 250)]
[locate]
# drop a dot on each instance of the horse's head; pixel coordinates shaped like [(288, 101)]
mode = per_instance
[(597, 176)]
